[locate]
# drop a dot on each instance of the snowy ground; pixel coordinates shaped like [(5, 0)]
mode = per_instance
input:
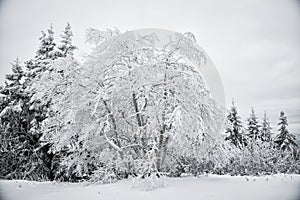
[(211, 187)]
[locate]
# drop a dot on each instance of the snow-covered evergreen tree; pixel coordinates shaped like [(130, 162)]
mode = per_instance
[(45, 54), (17, 73), (42, 62), (284, 139), (265, 132), (13, 90), (253, 126), (236, 133), (66, 47), (47, 45), (49, 86), (14, 82), (17, 152)]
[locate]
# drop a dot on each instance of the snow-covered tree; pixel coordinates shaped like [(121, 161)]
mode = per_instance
[(13, 90), (47, 45), (42, 62), (132, 109), (265, 132), (45, 54), (253, 126), (66, 47), (236, 133), (284, 139), (14, 87), (17, 152), (17, 74), (45, 87)]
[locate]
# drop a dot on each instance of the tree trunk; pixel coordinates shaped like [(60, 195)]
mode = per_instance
[(140, 124), (113, 121), (162, 140)]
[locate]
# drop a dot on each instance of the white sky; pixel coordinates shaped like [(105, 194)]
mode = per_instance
[(255, 44)]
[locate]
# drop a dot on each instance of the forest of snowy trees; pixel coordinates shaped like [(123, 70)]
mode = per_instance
[(128, 109)]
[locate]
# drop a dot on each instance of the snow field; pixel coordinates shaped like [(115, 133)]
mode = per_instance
[(210, 187)]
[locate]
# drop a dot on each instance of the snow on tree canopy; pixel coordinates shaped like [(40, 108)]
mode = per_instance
[(136, 105)]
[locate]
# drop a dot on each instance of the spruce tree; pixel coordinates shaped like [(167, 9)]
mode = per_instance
[(40, 108), (284, 139), (45, 54), (13, 83), (17, 145), (13, 90), (236, 135), (17, 73), (66, 47), (253, 126), (47, 45), (265, 132)]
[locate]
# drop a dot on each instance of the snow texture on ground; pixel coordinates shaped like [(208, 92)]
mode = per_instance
[(211, 187)]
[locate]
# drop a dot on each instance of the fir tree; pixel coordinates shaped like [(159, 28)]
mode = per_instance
[(66, 48), (253, 126), (47, 45), (13, 90), (14, 86), (18, 145), (265, 132), (236, 135), (45, 54), (40, 107), (17, 73), (284, 139)]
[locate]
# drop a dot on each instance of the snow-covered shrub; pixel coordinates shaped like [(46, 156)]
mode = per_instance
[(205, 154), (262, 158)]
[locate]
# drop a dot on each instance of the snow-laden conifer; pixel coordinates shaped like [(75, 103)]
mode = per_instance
[(236, 131), (253, 127), (66, 46), (284, 139), (265, 132)]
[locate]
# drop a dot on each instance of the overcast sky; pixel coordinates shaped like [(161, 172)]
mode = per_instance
[(255, 44)]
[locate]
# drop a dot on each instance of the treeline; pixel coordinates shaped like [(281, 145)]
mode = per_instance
[(251, 149), (262, 151), (39, 141)]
